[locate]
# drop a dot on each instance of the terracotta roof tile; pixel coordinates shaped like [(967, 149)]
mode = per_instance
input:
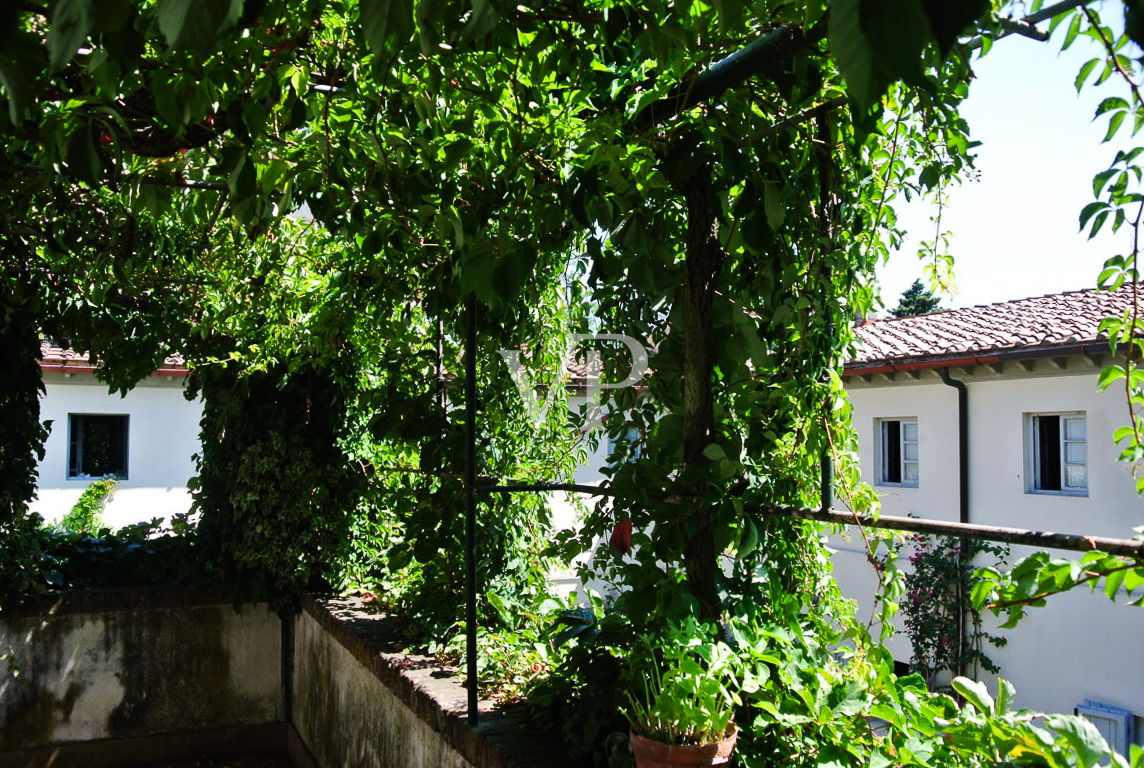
[(1025, 324), (52, 355)]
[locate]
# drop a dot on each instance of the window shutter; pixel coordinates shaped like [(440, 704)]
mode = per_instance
[(1114, 724)]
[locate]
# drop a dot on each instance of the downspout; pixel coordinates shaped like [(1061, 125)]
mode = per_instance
[(962, 442), (962, 501)]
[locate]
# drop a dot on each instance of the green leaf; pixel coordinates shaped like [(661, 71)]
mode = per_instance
[(982, 593), (1073, 31), (1089, 211), (750, 538), (18, 89), (167, 102), (1006, 693), (1098, 222), (1112, 583), (774, 206), (1101, 179), (196, 24), (70, 26), (242, 181), (1133, 579), (1084, 72), (1108, 375), (832, 756), (1109, 104), (387, 25), (1114, 125), (1122, 433), (1081, 735), (865, 80), (83, 160), (948, 20), (975, 693), (715, 452), (482, 21)]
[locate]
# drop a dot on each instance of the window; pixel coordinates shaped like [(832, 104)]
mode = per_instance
[(1115, 724), (97, 445), (627, 448), (897, 452), (1056, 453)]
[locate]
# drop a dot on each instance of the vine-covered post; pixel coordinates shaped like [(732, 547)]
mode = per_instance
[(471, 504), (703, 261), (826, 201)]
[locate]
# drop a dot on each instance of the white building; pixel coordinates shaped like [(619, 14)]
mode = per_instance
[(1040, 455), (146, 438)]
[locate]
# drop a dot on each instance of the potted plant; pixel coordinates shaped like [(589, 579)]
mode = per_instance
[(682, 715)]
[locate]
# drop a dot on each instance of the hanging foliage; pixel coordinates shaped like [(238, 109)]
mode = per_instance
[(299, 196)]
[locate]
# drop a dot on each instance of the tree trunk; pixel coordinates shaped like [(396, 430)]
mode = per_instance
[(704, 259)]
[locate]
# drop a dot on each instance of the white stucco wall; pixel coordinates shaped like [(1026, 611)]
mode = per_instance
[(1080, 645), (565, 513), (163, 429)]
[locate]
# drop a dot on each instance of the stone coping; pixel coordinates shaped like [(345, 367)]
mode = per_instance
[(117, 599)]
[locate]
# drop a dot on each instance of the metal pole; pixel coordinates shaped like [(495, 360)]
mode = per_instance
[(471, 504), (772, 49), (1041, 539)]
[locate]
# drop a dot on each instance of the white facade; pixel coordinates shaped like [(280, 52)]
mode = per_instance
[(566, 507), (162, 436), (1080, 645)]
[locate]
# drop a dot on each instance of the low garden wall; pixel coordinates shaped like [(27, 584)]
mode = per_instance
[(356, 705), (115, 669), (149, 677)]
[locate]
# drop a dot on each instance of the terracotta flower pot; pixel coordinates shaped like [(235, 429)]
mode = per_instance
[(656, 754)]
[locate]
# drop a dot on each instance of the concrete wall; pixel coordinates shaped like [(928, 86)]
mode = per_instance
[(347, 716), (133, 679), (1080, 645), (360, 701), (163, 435), (92, 666)]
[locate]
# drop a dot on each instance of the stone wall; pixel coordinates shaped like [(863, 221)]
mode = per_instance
[(348, 716), (151, 677), (86, 666)]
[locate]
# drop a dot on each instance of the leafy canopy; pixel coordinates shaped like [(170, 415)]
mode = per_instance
[(299, 195)]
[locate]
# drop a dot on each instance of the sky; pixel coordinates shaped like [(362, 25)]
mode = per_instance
[(1015, 228)]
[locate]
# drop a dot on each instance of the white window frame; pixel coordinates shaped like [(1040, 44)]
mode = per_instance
[(880, 457), (1033, 480)]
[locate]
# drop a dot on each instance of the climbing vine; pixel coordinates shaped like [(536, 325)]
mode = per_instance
[(945, 630), (22, 438), (300, 196)]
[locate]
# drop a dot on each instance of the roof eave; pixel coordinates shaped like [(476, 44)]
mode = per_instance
[(963, 360)]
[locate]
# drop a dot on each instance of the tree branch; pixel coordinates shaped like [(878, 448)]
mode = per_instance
[(798, 119)]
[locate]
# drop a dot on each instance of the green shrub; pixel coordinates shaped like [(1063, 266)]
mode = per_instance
[(145, 554)]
